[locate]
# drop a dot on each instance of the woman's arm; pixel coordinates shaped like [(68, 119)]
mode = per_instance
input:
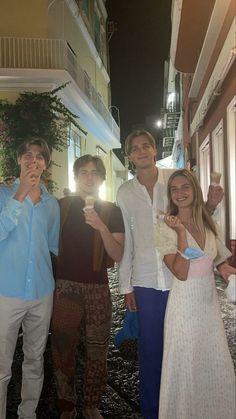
[(226, 270), (177, 263)]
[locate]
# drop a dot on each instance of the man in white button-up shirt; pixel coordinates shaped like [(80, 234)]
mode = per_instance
[(143, 280)]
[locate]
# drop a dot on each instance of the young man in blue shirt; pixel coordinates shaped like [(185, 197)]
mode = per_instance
[(29, 230)]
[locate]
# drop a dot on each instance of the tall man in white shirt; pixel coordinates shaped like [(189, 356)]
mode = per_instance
[(143, 281)]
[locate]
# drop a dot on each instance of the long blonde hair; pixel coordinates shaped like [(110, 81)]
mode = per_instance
[(199, 212)]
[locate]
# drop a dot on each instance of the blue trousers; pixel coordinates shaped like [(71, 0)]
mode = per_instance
[(151, 306)]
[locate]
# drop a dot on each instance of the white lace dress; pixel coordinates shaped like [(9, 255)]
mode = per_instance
[(198, 380)]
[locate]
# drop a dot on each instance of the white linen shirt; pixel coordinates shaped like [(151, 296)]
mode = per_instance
[(141, 264)]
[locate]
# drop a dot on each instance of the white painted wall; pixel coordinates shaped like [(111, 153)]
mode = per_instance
[(231, 145)]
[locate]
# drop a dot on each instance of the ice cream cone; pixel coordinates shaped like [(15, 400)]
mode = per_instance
[(215, 178), (34, 166), (89, 202)]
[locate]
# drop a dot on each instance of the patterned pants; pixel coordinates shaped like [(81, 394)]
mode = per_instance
[(74, 303)]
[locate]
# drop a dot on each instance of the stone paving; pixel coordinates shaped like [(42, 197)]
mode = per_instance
[(121, 398)]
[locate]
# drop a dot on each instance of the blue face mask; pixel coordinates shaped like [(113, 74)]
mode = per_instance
[(191, 253)]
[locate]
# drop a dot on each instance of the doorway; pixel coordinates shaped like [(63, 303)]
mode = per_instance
[(204, 167), (219, 166)]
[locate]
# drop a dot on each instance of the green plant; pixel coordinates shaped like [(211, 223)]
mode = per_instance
[(33, 114)]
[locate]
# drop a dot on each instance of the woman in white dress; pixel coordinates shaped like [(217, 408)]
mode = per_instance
[(198, 379)]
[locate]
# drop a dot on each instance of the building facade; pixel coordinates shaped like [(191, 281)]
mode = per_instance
[(202, 54), (46, 43)]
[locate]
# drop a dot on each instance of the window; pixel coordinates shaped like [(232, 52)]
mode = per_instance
[(219, 166), (165, 154), (168, 142), (74, 151), (231, 145), (103, 155), (76, 141), (204, 160)]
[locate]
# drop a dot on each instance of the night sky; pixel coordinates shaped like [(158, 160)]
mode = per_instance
[(137, 52)]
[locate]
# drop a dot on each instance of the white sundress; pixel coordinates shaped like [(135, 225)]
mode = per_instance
[(198, 380)]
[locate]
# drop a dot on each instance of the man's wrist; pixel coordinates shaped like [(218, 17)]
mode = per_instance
[(220, 264), (19, 196), (103, 229)]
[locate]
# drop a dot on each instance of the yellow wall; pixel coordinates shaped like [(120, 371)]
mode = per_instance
[(62, 24), (23, 18), (76, 40), (32, 18), (55, 20), (10, 96)]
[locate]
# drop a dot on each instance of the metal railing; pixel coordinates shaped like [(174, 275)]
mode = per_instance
[(37, 53)]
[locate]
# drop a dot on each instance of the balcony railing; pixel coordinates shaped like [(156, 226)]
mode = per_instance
[(53, 54), (168, 142), (170, 118)]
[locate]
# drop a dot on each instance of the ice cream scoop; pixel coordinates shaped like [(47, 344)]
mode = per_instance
[(89, 202), (215, 178), (34, 166), (160, 215)]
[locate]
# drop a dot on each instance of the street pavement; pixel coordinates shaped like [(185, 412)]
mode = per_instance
[(121, 398)]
